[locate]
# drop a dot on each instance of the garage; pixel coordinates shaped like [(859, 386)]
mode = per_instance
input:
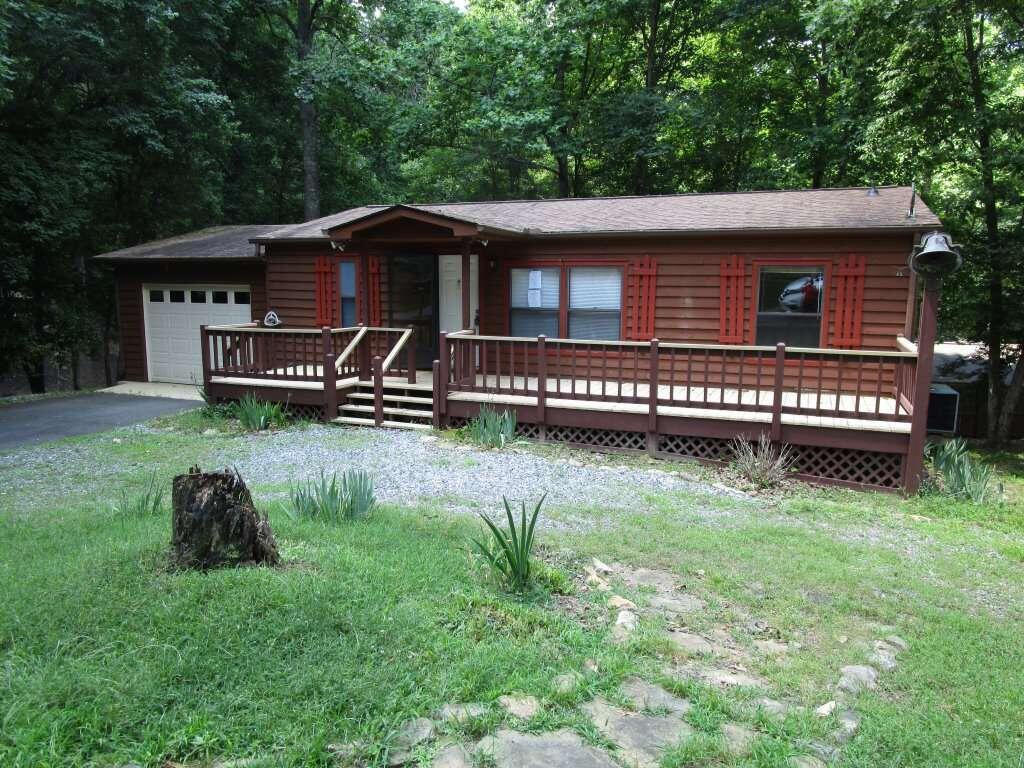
[(173, 315)]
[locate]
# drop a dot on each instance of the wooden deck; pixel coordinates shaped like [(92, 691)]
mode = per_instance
[(848, 414)]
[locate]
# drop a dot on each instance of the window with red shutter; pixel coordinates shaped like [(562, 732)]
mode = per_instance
[(730, 301), (849, 278), (641, 289)]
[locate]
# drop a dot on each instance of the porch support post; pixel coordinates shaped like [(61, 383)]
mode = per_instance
[(542, 384), (652, 400), (913, 464), (435, 370), (410, 350), (204, 340), (466, 319), (777, 391), (441, 382), (363, 357), (378, 390), (329, 377)]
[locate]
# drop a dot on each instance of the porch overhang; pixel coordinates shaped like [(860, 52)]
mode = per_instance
[(402, 223)]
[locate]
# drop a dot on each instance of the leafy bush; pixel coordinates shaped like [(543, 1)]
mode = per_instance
[(959, 475), (333, 500), (149, 502), (509, 553), (763, 464), (257, 415), (492, 429)]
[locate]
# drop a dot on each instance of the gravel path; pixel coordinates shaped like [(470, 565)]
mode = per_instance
[(409, 467)]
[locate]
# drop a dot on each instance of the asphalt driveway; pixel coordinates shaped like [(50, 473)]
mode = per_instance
[(49, 419)]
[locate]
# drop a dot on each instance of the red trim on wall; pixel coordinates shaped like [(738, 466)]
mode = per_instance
[(730, 302), (374, 297), (326, 269), (825, 262), (641, 279), (849, 301)]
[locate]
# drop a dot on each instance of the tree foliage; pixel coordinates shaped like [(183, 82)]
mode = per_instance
[(125, 120)]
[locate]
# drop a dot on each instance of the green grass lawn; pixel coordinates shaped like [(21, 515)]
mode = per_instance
[(109, 656)]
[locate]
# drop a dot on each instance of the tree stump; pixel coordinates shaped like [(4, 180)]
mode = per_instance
[(215, 522)]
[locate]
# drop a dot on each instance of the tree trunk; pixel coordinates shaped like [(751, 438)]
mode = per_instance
[(1010, 401), (983, 138), (304, 31), (215, 522), (641, 165), (35, 372)]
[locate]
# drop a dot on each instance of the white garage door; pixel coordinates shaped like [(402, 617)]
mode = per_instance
[(173, 315)]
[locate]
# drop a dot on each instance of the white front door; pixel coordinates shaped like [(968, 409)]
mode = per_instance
[(449, 268), (173, 314)]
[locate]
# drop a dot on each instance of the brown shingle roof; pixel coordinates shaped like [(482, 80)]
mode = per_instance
[(803, 210), (232, 242)]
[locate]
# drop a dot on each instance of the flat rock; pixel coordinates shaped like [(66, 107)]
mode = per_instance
[(676, 603), (660, 581), (412, 734), (728, 678), (689, 644), (641, 739), (453, 756), (805, 761), (849, 722), (602, 568), (618, 602), (625, 625), (771, 647), (738, 739), (566, 683), (458, 714), (857, 677), (898, 642), (560, 749), (644, 695), (826, 709), (594, 580), (523, 707), (883, 657)]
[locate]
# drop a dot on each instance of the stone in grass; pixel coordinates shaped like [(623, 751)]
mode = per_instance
[(898, 642), (566, 683), (676, 603), (849, 722), (625, 625), (776, 708), (644, 695), (602, 568), (805, 761), (453, 756), (412, 734), (731, 678), (591, 667), (771, 647), (738, 739), (457, 714), (826, 709), (559, 749), (621, 603), (523, 707), (855, 678), (689, 644), (660, 581), (883, 657), (641, 739)]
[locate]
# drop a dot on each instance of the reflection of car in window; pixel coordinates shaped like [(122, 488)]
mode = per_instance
[(802, 294)]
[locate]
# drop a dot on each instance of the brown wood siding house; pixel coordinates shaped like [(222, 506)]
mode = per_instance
[(636, 297)]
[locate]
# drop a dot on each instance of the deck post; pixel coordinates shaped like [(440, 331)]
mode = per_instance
[(435, 370), (364, 373), (913, 463), (542, 385), (442, 386), (330, 377), (378, 390), (204, 340), (411, 354), (777, 391), (652, 400)]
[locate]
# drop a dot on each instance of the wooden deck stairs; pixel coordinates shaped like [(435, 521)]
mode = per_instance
[(406, 406)]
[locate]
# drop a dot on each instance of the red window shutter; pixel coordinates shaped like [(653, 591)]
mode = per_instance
[(730, 301), (641, 285), (326, 270), (374, 298), (849, 277)]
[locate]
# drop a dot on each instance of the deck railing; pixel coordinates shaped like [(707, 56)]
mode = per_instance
[(779, 380)]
